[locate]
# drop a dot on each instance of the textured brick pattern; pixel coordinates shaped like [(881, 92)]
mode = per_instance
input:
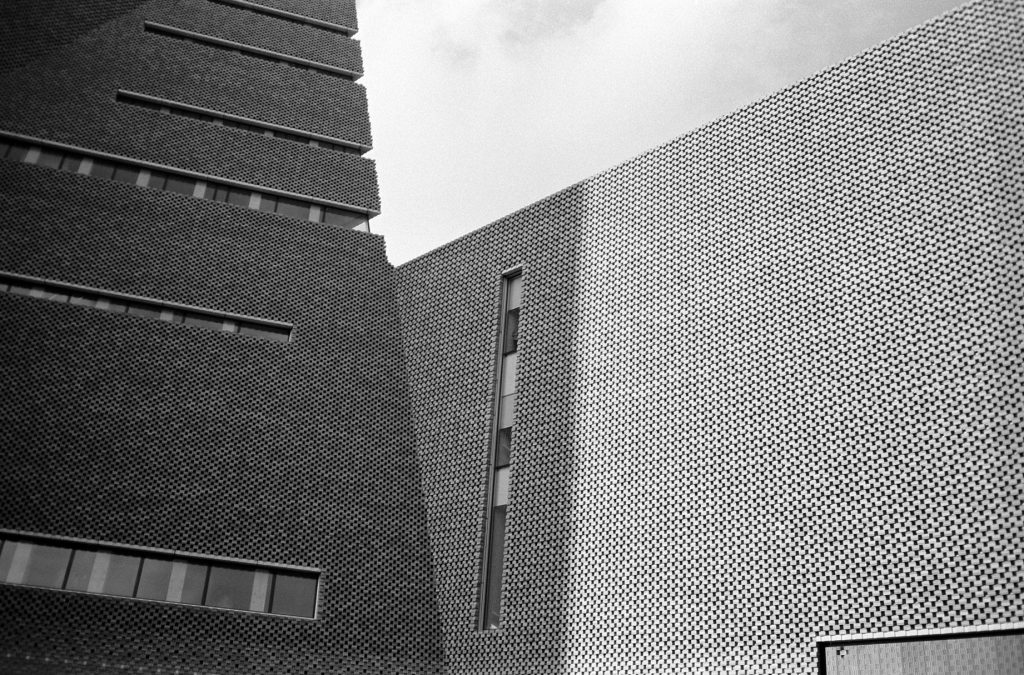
[(31, 29), (341, 12), (143, 432), (77, 106), (770, 378), (259, 30)]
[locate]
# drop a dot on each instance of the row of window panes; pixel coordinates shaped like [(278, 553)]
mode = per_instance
[(509, 360), (202, 189), (181, 112), (168, 578), (147, 310), (256, 10), (245, 52)]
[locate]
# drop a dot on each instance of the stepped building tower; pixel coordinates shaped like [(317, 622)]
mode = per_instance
[(749, 402)]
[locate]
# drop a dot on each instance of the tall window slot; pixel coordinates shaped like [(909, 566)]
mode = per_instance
[(501, 442)]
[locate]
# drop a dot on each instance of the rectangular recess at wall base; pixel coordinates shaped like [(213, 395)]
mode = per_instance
[(288, 16), (249, 50), (246, 123), (146, 308), (493, 549), (161, 575)]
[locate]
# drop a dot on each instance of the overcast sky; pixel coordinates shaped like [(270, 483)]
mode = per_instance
[(480, 107)]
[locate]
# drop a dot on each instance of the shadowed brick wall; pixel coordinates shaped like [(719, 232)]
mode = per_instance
[(770, 378), (142, 432), (69, 96)]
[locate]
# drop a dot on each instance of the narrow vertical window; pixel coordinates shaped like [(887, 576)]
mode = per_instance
[(501, 442)]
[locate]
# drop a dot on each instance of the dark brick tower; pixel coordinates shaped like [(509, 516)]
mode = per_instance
[(204, 404)]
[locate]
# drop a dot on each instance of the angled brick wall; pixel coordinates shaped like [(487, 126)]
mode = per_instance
[(77, 104), (770, 378), (142, 432), (31, 29), (147, 433)]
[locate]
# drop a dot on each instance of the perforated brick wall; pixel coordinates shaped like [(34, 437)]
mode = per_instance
[(770, 378), (265, 31), (341, 12), (31, 29), (142, 432), (77, 106)]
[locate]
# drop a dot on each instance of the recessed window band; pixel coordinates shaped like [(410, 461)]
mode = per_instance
[(147, 308), (501, 446), (162, 576), (288, 16), (233, 121), (249, 50), (77, 160)]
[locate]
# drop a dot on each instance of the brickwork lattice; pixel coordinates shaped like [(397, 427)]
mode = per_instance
[(770, 381)]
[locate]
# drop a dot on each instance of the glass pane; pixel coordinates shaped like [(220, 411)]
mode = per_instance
[(217, 193), (340, 218), (56, 296), (183, 186), (19, 552), (506, 411), (102, 169), (126, 174), (17, 152), (122, 572), (155, 579), (238, 197), (515, 292), (50, 158), (264, 332), (4, 148), (268, 203), (187, 583), (71, 163), (83, 300), (294, 595), (47, 566), (20, 288), (81, 571), (511, 333), (500, 496), (508, 373), (5, 559), (157, 180), (145, 311), (495, 561), (502, 447), (260, 598), (116, 306), (201, 321), (230, 587), (292, 208)]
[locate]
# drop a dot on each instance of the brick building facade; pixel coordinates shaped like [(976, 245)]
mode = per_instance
[(154, 437), (769, 380), (766, 378)]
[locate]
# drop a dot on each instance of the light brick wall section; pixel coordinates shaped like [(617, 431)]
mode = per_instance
[(770, 379)]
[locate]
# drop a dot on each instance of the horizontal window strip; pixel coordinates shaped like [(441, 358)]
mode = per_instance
[(214, 117), (84, 162), (287, 16), (162, 576), (249, 50), (147, 308)]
